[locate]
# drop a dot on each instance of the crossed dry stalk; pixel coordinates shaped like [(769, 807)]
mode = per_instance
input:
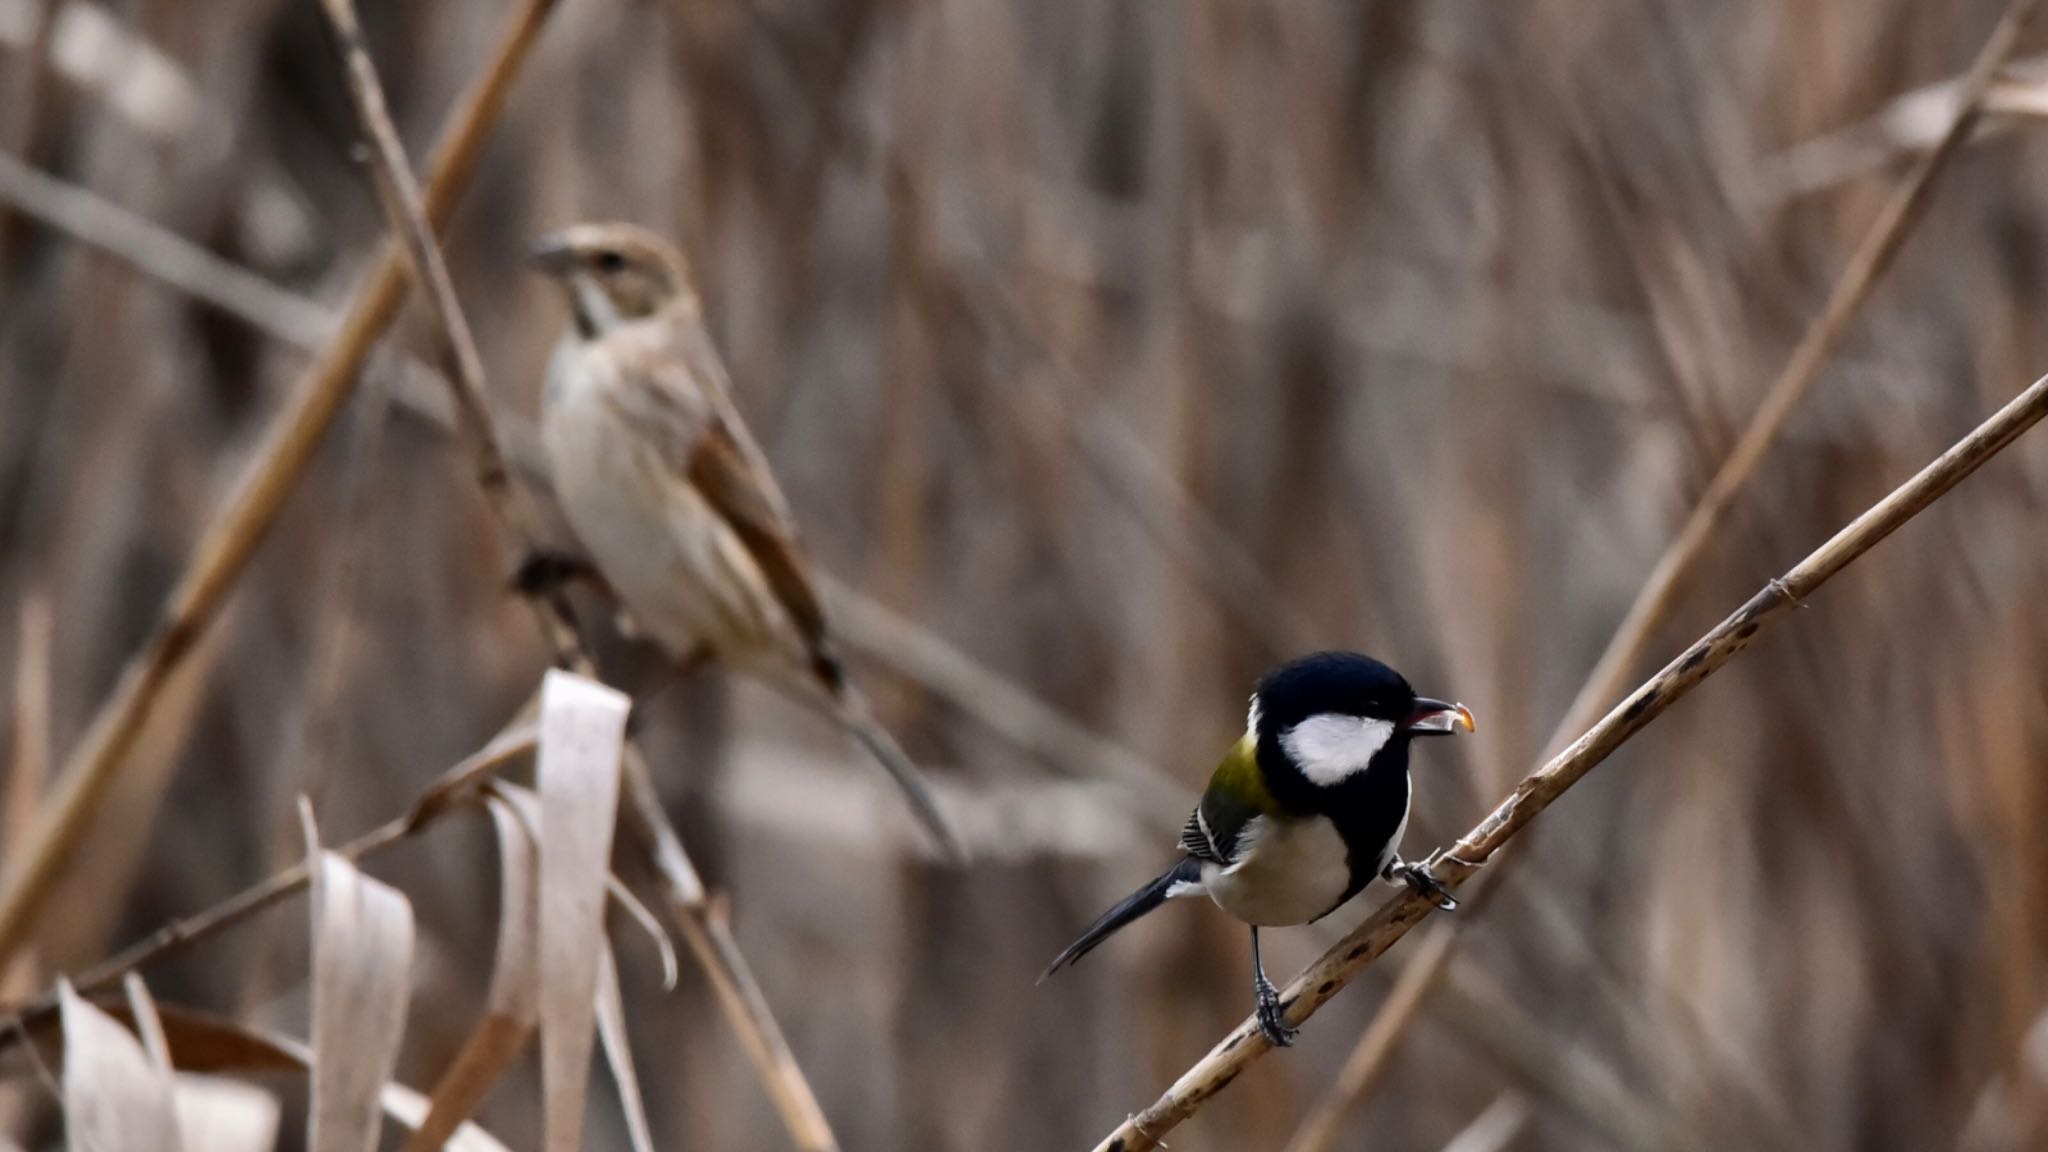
[(252, 509), (415, 213), (702, 926), (1659, 594), (1537, 791)]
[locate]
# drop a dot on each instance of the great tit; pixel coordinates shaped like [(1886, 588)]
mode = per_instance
[(1305, 810)]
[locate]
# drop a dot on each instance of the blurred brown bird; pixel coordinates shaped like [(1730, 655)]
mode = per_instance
[(670, 495)]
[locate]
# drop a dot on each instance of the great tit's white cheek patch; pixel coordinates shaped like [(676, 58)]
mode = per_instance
[(1330, 748)]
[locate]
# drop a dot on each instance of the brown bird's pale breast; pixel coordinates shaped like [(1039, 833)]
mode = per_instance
[(621, 420)]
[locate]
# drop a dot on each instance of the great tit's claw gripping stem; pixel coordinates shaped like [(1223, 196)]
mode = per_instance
[(1272, 1019), (1419, 877)]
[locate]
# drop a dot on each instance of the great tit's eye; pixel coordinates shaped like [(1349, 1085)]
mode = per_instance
[(609, 261)]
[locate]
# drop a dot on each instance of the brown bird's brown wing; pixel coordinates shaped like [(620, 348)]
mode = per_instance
[(676, 391), (679, 396)]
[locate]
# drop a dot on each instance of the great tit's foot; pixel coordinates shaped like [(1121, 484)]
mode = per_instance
[(1272, 1019), (545, 571), (1417, 875)]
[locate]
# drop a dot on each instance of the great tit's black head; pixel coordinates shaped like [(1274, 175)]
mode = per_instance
[(1331, 713), (614, 273)]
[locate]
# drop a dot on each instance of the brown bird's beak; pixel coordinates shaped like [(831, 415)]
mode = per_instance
[(1437, 718), (552, 255)]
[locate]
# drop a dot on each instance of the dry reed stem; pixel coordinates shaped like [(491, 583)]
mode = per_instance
[(1000, 704), (155, 251), (997, 702), (436, 802), (405, 211), (1654, 601), (709, 937), (739, 994), (1392, 920), (162, 254), (232, 538)]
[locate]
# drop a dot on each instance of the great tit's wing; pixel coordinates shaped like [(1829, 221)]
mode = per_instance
[(1235, 796), (676, 392)]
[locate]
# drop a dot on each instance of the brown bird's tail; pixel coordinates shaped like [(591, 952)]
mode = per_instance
[(853, 712)]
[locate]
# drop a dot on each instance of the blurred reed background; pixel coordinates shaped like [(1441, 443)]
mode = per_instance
[(1127, 348)]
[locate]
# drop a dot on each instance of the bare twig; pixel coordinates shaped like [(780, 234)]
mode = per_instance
[(405, 210), (162, 254), (709, 937), (251, 510), (1816, 346), (157, 252), (1908, 124), (1392, 920), (713, 946), (998, 703), (438, 801), (1654, 601)]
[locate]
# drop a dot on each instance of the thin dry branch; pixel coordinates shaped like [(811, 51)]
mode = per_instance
[(709, 937), (405, 211), (157, 252), (438, 801), (715, 949), (233, 536), (998, 703), (1659, 593), (1392, 920), (162, 254)]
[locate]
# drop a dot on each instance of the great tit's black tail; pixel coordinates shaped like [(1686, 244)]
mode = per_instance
[(1179, 880)]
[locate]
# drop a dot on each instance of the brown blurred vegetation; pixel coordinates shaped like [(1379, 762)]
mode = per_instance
[(1127, 347)]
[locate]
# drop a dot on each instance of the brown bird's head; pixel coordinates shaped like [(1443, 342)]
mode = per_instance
[(614, 273)]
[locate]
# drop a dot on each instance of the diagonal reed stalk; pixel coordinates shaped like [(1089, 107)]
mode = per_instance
[(232, 537), (703, 929), (1537, 791), (1659, 593)]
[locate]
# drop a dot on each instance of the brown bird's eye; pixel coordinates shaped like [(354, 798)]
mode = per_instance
[(609, 261)]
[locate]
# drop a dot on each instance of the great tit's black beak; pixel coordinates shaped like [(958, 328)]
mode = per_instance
[(1438, 718), (552, 255)]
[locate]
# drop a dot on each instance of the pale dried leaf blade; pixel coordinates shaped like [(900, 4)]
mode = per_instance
[(618, 1051), (515, 980), (582, 734), (509, 1013), (114, 1097), (642, 915), (142, 1010), (362, 959), (199, 1040), (216, 1115)]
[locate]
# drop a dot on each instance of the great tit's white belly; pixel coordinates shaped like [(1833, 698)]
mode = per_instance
[(1287, 872), (684, 575)]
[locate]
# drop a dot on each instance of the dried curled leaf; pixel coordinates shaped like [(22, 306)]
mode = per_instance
[(115, 1096), (217, 1115), (362, 963), (511, 1007), (611, 1027), (582, 734)]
